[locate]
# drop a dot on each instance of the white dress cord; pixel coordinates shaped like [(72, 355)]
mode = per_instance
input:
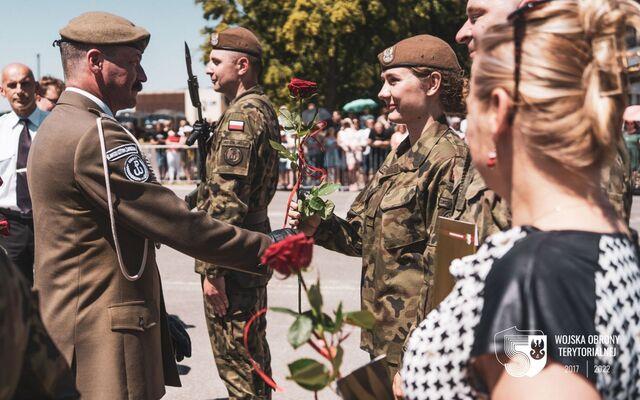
[(105, 167)]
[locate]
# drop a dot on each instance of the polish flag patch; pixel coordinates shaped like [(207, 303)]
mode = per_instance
[(235, 125)]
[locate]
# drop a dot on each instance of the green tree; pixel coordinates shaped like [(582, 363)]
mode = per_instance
[(333, 42)]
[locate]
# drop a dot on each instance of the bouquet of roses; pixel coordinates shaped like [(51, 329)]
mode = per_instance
[(310, 203), (322, 332)]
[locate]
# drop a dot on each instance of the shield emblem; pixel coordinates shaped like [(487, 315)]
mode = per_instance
[(525, 351)]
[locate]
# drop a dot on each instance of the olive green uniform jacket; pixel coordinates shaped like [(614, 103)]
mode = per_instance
[(392, 226), (113, 331)]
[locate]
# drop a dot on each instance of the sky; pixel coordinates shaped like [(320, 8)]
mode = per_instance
[(29, 27)]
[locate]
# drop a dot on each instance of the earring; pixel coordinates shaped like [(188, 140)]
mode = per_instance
[(491, 161)]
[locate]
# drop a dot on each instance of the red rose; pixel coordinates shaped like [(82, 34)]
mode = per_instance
[(301, 88), (290, 255), (4, 227)]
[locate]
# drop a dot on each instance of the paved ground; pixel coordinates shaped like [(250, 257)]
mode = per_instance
[(340, 281)]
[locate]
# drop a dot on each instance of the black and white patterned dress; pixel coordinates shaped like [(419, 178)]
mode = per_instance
[(568, 285)]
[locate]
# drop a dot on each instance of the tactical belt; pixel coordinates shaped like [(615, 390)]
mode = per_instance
[(255, 217)]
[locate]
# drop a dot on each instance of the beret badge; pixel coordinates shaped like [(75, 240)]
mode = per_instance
[(214, 39), (387, 55)]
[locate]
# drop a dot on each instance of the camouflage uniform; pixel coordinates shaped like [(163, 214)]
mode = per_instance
[(392, 226), (31, 365), (242, 174)]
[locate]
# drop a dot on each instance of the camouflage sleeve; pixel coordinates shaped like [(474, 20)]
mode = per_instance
[(228, 188), (344, 236)]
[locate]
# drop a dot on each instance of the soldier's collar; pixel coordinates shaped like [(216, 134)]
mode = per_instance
[(257, 89), (414, 157)]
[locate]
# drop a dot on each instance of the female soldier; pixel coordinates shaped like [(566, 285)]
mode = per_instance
[(556, 299), (392, 223)]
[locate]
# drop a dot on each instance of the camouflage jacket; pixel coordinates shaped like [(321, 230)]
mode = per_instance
[(32, 365), (242, 171), (392, 226)]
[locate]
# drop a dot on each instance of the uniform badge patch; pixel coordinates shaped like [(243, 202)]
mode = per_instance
[(235, 125), (136, 169), (214, 39), (387, 55), (233, 156), (121, 151)]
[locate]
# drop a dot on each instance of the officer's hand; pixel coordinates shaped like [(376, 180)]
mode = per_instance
[(216, 295), (398, 394), (179, 338), (201, 129), (309, 225)]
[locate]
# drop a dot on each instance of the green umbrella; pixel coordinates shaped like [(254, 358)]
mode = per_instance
[(359, 105)]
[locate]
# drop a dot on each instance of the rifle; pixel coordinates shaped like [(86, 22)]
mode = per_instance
[(202, 136)]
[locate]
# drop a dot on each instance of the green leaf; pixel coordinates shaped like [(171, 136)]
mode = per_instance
[(316, 203), (300, 331), (337, 360), (309, 374), (315, 299), (339, 318), (328, 188), (278, 146), (284, 311), (327, 212), (363, 319)]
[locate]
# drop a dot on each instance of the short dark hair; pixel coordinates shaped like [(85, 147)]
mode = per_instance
[(72, 52), (451, 94)]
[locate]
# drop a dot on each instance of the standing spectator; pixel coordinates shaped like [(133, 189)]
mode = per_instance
[(336, 120), (380, 144), (159, 137), (332, 159), (398, 136), (17, 130), (314, 156), (348, 140), (366, 115), (363, 142), (174, 153), (383, 118), (455, 126), (50, 90), (189, 155), (631, 138)]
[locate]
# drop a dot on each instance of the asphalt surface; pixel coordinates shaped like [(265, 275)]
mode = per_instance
[(340, 277), (340, 281)]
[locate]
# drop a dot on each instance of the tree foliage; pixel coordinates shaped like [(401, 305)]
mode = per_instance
[(333, 42)]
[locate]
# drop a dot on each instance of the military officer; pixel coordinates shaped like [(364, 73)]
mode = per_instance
[(99, 210), (392, 223), (242, 175)]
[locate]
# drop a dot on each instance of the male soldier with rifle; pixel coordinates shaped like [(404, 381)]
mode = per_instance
[(241, 179)]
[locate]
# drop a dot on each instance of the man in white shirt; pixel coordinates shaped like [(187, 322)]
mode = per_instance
[(17, 130)]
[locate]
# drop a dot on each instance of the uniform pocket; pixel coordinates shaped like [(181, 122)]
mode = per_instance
[(402, 220), (132, 316), (234, 157)]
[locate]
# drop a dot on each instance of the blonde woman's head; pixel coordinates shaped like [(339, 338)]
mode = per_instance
[(571, 93)]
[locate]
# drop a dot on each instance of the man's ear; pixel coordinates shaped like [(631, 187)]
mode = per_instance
[(95, 60), (500, 120), (243, 65), (435, 81)]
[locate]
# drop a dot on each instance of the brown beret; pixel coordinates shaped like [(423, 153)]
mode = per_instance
[(102, 28), (420, 51), (237, 39)]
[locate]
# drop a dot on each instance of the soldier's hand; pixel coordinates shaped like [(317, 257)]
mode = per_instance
[(216, 295), (179, 338), (398, 394), (201, 129), (309, 225)]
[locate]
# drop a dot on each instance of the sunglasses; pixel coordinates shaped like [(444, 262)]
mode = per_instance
[(517, 18)]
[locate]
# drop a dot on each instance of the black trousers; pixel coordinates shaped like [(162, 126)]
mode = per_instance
[(19, 243)]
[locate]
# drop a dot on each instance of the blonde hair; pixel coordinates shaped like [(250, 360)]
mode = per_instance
[(564, 112)]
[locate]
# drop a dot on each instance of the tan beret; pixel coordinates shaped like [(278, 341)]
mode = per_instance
[(237, 39), (420, 51), (102, 28)]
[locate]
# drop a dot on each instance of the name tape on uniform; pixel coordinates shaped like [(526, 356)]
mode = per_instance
[(235, 125), (121, 151)]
